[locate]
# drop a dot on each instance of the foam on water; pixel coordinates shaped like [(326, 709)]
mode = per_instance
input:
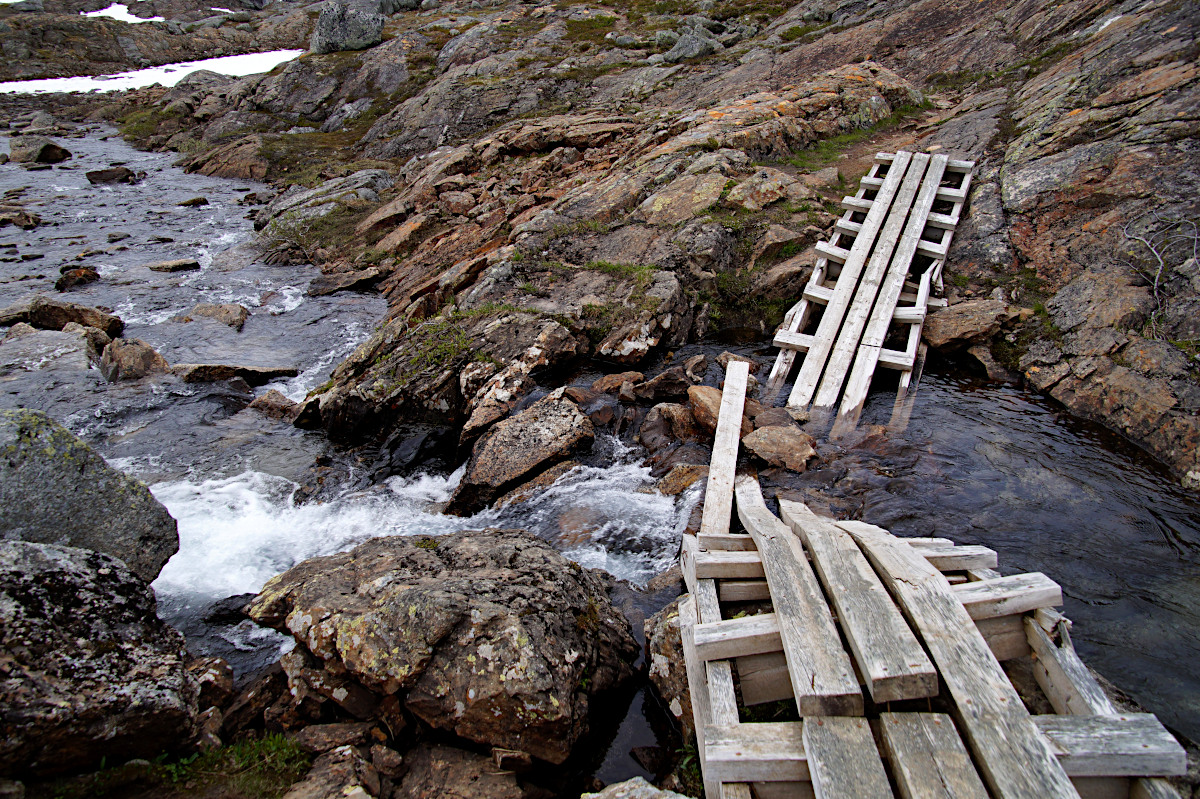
[(237, 532)]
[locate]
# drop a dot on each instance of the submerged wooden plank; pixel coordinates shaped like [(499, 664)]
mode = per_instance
[(864, 304), (1123, 745), (928, 758), (815, 360), (821, 673), (718, 497), (888, 655), (1013, 757), (843, 760)]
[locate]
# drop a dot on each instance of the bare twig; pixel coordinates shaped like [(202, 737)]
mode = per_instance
[(1161, 237)]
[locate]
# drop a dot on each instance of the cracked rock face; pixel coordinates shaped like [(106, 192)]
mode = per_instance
[(87, 669), (491, 635)]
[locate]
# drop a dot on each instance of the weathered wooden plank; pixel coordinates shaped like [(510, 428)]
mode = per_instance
[(731, 638), (743, 590), (1013, 757), (762, 752), (1005, 636), (764, 678), (1121, 745), (960, 558), (864, 304), (729, 542), (843, 760), (928, 758), (888, 655), (797, 342), (925, 543), (1067, 683), (1102, 787), (719, 565), (697, 687), (783, 790), (871, 351), (718, 497), (815, 360), (1004, 596), (822, 676)]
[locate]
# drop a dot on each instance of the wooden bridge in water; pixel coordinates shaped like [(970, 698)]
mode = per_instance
[(885, 654), (871, 285)]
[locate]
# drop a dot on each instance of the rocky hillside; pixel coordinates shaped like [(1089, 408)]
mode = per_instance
[(531, 185)]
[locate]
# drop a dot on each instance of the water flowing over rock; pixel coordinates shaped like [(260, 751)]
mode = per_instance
[(91, 672), (490, 635), (55, 490)]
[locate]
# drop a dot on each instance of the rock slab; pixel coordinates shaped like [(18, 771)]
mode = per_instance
[(89, 669), (54, 489)]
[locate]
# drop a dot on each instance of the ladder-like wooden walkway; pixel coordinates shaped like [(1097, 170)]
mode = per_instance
[(889, 652), (876, 272)]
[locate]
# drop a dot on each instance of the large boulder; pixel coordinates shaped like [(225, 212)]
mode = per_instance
[(36, 149), (54, 489), (966, 323), (491, 635), (443, 772), (89, 670), (519, 448), (340, 27), (50, 313)]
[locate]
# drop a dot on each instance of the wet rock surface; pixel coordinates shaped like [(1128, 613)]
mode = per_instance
[(92, 670), (54, 489), (475, 655)]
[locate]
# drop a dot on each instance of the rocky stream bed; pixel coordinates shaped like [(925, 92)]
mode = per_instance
[(417, 342)]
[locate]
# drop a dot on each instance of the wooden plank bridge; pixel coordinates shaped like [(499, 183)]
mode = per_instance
[(871, 284), (886, 653)]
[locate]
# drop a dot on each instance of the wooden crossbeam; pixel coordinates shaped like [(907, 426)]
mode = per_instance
[(1004, 596), (888, 655), (730, 638), (1119, 745), (729, 565), (823, 679)]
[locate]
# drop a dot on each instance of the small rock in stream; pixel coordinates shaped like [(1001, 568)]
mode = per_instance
[(116, 174), (76, 277), (178, 265), (36, 150), (195, 202)]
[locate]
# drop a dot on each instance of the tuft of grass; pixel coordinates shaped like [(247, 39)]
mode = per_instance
[(826, 151), (249, 769), (641, 274), (590, 30)]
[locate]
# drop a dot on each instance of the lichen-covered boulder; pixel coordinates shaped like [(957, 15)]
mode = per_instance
[(54, 489), (340, 27), (519, 448), (491, 635), (87, 669)]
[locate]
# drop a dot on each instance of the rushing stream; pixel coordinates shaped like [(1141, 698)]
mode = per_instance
[(979, 462)]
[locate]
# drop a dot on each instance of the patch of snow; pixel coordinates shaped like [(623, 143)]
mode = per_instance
[(165, 75), (1108, 22), (120, 11), (222, 10)]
